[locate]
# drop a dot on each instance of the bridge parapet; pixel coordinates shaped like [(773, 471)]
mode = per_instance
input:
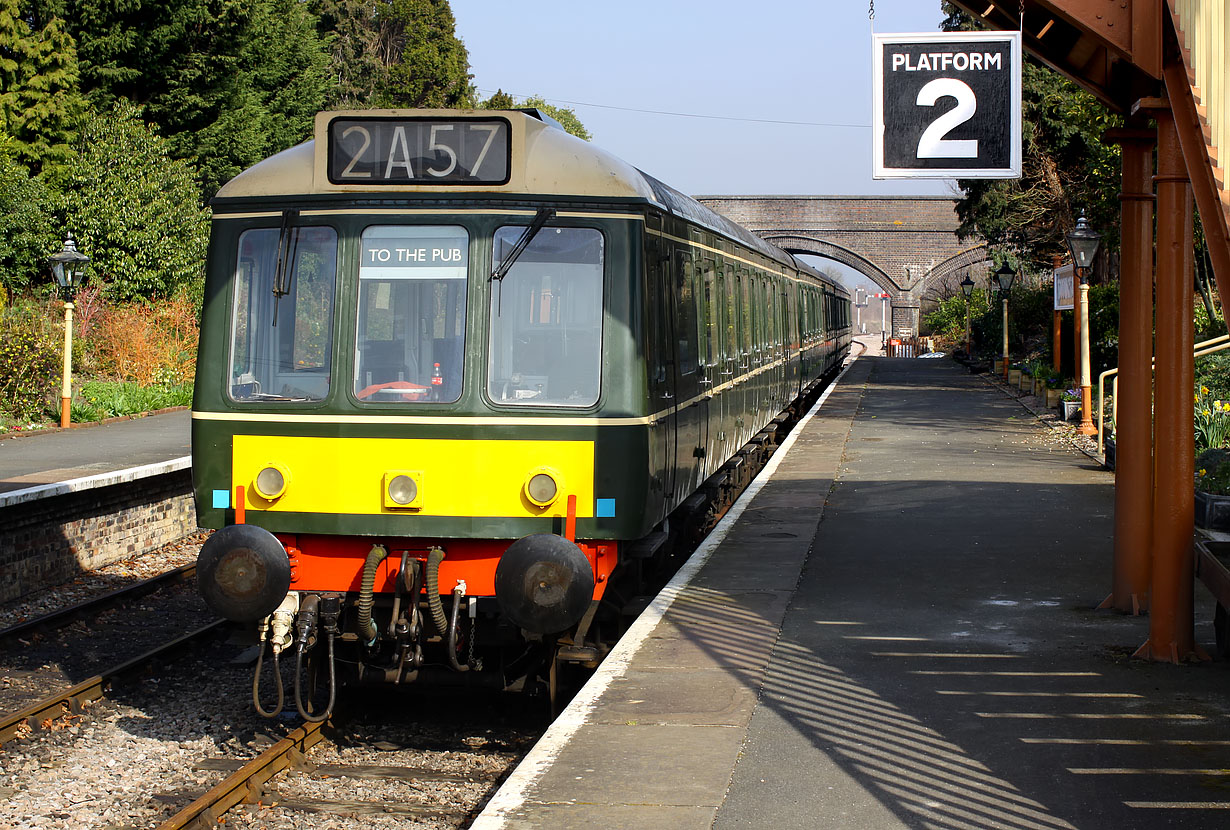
[(907, 245)]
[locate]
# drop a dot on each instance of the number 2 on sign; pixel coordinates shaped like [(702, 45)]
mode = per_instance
[(933, 145)]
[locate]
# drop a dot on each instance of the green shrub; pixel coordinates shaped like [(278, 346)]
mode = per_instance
[(29, 358), (97, 400)]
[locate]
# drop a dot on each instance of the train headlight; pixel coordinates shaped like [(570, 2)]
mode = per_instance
[(271, 482), (403, 489), (542, 486)]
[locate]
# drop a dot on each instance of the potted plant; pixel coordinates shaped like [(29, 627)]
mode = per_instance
[(1054, 391), (1070, 401), (1041, 374), (1213, 489)]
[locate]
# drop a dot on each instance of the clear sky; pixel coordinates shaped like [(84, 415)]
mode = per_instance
[(619, 63)]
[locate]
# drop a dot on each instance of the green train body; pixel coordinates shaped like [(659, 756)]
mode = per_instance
[(381, 368)]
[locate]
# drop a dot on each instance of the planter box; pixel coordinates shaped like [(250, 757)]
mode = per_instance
[(1071, 410), (1052, 398), (999, 366), (1026, 383), (1212, 512), (1014, 377)]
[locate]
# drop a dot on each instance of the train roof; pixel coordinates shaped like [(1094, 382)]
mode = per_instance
[(544, 160)]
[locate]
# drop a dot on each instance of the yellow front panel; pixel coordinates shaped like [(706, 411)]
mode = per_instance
[(459, 478)]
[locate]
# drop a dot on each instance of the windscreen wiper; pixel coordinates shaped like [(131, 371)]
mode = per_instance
[(542, 217), (288, 249)]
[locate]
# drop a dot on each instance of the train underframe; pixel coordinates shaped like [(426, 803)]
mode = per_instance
[(529, 615)]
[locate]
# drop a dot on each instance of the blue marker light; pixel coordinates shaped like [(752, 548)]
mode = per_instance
[(604, 508)]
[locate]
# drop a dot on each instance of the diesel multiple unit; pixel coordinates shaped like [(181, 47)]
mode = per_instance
[(456, 368)]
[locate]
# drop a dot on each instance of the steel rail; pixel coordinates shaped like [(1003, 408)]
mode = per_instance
[(245, 783), (72, 700), (65, 616)]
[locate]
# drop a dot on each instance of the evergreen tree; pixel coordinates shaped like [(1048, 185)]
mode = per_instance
[(40, 107), (431, 67), (395, 53), (349, 29), (228, 82)]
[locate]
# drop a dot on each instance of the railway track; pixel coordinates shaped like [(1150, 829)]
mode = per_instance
[(45, 710), (96, 605), (252, 784), (73, 700)]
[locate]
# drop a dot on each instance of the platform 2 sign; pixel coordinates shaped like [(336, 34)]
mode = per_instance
[(947, 105)]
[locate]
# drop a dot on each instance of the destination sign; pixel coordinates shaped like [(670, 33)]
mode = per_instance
[(414, 253), (391, 151), (947, 105)]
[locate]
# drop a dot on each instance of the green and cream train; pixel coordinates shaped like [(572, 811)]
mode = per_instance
[(458, 373)]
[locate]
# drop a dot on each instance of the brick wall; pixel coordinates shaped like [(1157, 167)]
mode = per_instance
[(50, 540), (902, 243)]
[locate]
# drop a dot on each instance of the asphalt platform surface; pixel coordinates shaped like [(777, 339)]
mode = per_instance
[(58, 455), (899, 631)]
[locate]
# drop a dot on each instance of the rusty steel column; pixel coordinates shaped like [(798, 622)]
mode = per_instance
[(1134, 421), (1171, 607)]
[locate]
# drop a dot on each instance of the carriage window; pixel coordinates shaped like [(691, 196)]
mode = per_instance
[(546, 319), (412, 313), (281, 335)]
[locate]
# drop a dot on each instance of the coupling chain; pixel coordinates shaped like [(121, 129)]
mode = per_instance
[(476, 662)]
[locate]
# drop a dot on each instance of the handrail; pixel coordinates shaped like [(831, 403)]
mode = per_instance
[(1206, 347)]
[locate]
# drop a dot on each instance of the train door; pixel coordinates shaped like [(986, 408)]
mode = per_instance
[(747, 397), (729, 393), (685, 331), (711, 366), (660, 365)]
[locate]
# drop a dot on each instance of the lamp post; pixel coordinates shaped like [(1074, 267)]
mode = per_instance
[(68, 267), (967, 288), (1083, 242), (1004, 276)]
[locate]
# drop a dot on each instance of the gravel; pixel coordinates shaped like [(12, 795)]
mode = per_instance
[(135, 758)]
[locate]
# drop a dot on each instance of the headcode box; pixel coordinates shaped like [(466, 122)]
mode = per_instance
[(947, 105)]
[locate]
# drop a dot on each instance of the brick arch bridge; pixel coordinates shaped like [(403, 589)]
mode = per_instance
[(907, 245)]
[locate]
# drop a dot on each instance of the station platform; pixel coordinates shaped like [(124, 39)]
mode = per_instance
[(39, 464), (894, 628)]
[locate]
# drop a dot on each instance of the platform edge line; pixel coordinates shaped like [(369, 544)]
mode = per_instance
[(512, 793)]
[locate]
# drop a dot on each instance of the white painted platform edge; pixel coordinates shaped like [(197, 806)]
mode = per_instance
[(77, 485), (512, 794)]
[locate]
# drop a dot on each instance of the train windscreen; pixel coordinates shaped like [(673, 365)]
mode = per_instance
[(282, 326), (412, 313), (545, 346)]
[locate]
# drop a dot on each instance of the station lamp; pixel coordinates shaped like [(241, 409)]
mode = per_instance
[(1083, 243), (1004, 275), (68, 267), (967, 288)]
